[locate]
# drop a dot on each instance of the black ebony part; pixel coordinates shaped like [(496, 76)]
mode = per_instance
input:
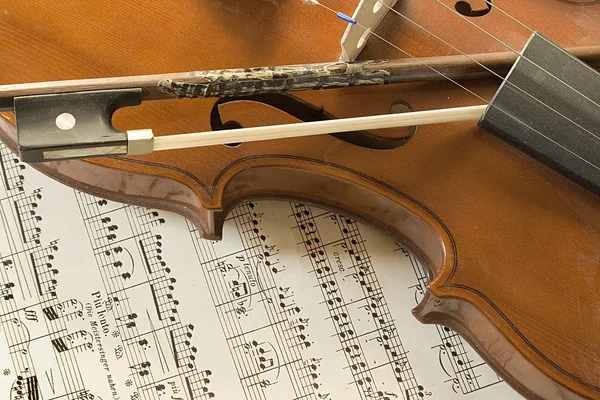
[(556, 121), (42, 138)]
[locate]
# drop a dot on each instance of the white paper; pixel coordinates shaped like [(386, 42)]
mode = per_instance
[(100, 300)]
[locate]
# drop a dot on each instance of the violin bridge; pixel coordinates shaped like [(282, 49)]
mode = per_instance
[(549, 107), (368, 15), (77, 125)]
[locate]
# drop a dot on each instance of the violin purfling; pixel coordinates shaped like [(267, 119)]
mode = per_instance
[(506, 224)]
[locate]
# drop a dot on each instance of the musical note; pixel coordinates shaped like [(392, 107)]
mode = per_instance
[(12, 171), (286, 298), (148, 217), (225, 267), (142, 369), (165, 303), (6, 291), (7, 264), (185, 353), (27, 217), (263, 354), (77, 341), (26, 388), (283, 294), (196, 384), (128, 320), (239, 289), (151, 248)]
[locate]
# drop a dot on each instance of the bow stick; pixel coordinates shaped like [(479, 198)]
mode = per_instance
[(73, 119), (252, 81)]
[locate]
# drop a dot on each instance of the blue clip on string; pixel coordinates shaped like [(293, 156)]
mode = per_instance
[(346, 18)]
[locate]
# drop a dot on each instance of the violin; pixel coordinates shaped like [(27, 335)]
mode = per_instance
[(503, 213)]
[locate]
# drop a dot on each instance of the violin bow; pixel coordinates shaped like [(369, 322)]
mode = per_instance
[(72, 119), (266, 80)]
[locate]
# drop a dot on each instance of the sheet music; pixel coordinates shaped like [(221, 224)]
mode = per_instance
[(100, 300)]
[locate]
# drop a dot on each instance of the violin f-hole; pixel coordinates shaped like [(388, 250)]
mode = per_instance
[(466, 9)]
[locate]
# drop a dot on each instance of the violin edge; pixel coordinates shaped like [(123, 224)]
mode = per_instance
[(435, 250), (464, 318)]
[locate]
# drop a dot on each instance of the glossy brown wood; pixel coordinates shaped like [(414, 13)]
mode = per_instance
[(512, 248)]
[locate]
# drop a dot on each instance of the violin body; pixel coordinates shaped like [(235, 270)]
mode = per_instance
[(511, 247)]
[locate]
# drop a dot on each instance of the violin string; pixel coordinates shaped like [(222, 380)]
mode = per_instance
[(496, 39), (489, 2), (317, 2), (518, 53), (505, 112), (490, 70)]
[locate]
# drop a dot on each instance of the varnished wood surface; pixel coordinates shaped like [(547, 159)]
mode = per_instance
[(512, 247)]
